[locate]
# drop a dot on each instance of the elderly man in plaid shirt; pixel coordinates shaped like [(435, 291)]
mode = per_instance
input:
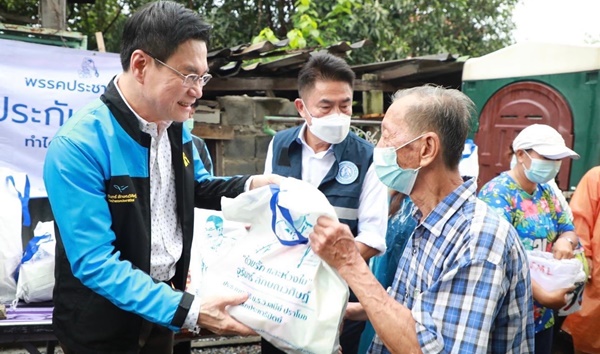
[(462, 284)]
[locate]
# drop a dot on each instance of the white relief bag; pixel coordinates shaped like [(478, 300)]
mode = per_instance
[(296, 300), (553, 274), (13, 190), (36, 272), (214, 237), (469, 162)]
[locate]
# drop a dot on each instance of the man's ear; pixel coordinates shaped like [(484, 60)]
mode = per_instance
[(430, 148), (139, 64), (301, 109)]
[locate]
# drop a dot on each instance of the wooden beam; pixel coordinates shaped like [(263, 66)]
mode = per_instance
[(53, 14), (215, 132), (280, 84), (399, 71), (372, 99), (100, 41), (363, 85), (251, 84)]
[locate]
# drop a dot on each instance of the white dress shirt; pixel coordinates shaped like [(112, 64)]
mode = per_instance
[(373, 202)]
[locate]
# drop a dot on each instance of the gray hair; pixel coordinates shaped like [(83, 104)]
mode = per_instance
[(446, 112)]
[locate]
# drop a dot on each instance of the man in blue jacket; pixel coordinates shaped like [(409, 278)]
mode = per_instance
[(323, 152), (123, 179)]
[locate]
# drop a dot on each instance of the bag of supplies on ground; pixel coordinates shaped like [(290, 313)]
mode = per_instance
[(36, 273), (296, 301), (553, 274), (14, 200)]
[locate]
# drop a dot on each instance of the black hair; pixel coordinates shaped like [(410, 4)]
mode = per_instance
[(323, 66), (158, 28)]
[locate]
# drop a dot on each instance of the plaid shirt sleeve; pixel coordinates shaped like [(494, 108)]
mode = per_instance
[(461, 302), (477, 304)]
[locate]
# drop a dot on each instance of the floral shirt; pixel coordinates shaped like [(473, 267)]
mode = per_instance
[(538, 219)]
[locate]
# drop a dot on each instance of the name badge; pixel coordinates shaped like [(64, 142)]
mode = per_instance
[(347, 173)]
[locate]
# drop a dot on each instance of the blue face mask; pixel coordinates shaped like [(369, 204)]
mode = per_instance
[(392, 175), (541, 171)]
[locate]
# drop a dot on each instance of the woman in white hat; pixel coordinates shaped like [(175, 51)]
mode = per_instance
[(523, 196)]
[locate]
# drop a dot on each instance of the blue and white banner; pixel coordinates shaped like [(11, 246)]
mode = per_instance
[(41, 86)]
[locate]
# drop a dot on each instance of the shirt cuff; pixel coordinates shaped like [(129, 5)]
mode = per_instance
[(247, 184), (373, 240), (191, 320)]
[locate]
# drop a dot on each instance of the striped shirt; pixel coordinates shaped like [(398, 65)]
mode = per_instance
[(465, 277)]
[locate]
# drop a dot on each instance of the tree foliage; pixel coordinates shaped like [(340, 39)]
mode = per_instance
[(396, 28), (407, 28)]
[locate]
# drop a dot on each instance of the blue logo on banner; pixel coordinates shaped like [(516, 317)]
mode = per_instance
[(88, 67)]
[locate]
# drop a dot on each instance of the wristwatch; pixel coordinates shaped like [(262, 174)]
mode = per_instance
[(570, 241)]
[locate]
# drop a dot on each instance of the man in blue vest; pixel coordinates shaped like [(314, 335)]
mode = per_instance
[(339, 163)]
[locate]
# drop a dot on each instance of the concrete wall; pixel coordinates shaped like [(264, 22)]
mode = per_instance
[(246, 152)]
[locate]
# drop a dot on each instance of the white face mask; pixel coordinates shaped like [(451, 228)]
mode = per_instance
[(332, 128)]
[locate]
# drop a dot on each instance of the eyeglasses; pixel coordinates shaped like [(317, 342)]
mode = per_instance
[(188, 80)]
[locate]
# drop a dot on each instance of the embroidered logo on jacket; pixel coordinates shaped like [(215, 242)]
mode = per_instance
[(116, 194), (120, 188)]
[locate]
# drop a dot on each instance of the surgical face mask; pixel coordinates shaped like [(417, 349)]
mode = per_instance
[(513, 161), (392, 175), (541, 171), (332, 128)]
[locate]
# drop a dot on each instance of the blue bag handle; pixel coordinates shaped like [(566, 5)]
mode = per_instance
[(24, 199), (285, 213), (470, 148)]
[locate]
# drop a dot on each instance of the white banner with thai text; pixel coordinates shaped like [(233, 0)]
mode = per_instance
[(41, 86)]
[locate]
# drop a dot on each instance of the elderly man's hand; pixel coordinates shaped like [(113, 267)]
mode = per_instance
[(214, 316), (334, 243)]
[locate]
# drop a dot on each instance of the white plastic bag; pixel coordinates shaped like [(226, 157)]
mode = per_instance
[(12, 191), (36, 272), (296, 300), (553, 274), (469, 163), (214, 237)]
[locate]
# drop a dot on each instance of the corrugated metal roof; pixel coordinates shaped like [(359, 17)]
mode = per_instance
[(269, 66)]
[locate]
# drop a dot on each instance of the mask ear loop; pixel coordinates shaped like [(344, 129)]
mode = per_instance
[(307, 112), (410, 141)]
